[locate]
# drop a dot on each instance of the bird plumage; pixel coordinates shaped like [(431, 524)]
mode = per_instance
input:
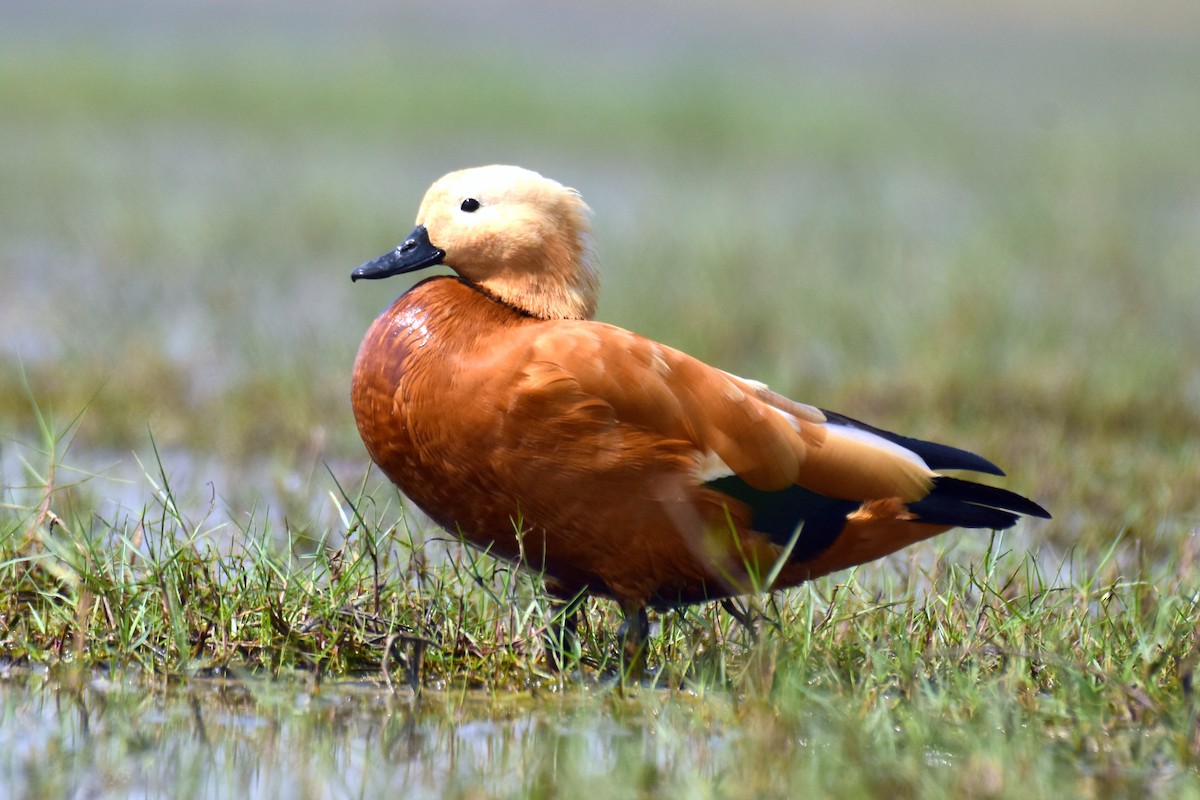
[(613, 464)]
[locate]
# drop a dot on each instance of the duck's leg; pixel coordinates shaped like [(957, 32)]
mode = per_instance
[(632, 635), (562, 634), (746, 618)]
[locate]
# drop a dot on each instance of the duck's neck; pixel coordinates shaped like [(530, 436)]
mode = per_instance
[(565, 284)]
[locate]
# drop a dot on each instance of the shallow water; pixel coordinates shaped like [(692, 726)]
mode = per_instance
[(98, 735), (158, 235)]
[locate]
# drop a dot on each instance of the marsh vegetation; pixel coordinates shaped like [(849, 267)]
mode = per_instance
[(984, 231)]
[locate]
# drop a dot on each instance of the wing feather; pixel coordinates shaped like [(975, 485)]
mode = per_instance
[(769, 441)]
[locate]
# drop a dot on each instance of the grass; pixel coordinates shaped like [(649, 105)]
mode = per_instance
[(982, 235), (948, 677)]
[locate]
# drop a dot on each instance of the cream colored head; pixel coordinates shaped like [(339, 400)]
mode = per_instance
[(522, 237)]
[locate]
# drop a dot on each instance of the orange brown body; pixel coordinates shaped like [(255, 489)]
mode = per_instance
[(614, 465)]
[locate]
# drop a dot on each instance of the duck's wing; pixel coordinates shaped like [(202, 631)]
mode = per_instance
[(737, 427)]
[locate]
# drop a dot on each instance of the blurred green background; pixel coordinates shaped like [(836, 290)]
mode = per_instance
[(978, 225)]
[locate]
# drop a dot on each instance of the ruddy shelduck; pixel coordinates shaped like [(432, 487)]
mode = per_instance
[(611, 464)]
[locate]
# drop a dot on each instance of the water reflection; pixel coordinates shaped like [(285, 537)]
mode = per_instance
[(133, 735)]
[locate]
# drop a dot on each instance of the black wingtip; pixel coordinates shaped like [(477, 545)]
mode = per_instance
[(966, 504), (993, 496), (937, 456)]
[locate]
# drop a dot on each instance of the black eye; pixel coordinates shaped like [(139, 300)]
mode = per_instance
[(469, 205)]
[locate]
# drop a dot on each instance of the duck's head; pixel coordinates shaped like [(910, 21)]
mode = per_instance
[(523, 238)]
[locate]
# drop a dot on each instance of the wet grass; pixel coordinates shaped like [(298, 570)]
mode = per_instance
[(158, 652), (985, 236)]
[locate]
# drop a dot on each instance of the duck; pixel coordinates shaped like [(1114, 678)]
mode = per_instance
[(607, 463)]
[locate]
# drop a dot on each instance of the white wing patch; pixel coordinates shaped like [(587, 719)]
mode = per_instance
[(878, 442), (710, 467)]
